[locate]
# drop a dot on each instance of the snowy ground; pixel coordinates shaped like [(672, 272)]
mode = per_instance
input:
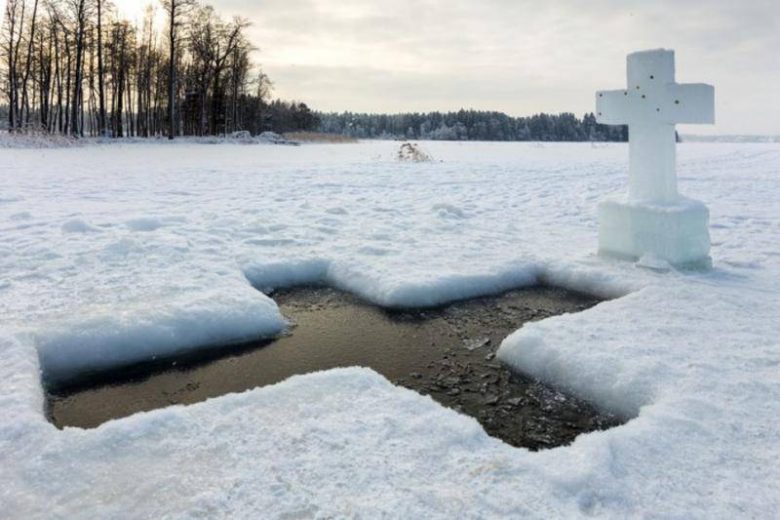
[(111, 253)]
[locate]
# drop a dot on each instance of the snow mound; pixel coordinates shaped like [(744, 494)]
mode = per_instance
[(412, 152), (37, 141), (77, 225), (145, 224), (449, 211), (274, 138)]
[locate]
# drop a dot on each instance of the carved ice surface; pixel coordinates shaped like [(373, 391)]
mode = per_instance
[(675, 232), (655, 219)]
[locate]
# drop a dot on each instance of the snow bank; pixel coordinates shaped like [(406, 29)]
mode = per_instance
[(279, 275), (154, 330), (22, 141), (406, 291), (121, 268), (43, 141), (21, 397), (412, 291)]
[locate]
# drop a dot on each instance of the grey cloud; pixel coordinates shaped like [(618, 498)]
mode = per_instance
[(519, 56)]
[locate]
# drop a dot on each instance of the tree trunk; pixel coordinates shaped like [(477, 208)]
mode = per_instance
[(101, 80), (68, 82), (28, 64), (12, 10), (172, 73), (216, 96), (76, 101), (10, 17)]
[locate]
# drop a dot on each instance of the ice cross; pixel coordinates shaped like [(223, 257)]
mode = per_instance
[(651, 105)]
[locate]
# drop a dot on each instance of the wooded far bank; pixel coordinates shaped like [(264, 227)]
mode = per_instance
[(75, 67)]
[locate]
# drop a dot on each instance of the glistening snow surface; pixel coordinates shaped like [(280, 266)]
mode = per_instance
[(112, 253)]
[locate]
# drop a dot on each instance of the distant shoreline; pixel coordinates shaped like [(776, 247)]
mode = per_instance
[(735, 138)]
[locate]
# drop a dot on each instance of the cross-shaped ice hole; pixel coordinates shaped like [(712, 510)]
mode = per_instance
[(651, 106), (447, 353)]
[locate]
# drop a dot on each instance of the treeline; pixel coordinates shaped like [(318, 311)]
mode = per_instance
[(75, 67), (471, 125)]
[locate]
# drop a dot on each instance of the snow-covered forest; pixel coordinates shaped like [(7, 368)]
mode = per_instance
[(472, 125)]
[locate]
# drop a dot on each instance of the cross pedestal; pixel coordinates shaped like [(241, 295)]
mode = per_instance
[(654, 219)]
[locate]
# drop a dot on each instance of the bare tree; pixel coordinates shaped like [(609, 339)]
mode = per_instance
[(230, 43), (176, 10), (76, 67), (14, 25), (100, 72), (214, 44), (79, 8), (25, 102)]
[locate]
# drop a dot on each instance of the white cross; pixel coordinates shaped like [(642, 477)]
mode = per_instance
[(651, 105)]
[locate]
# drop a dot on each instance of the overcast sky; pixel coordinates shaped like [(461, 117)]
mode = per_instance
[(515, 56)]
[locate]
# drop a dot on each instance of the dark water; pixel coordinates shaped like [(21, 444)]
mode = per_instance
[(447, 353)]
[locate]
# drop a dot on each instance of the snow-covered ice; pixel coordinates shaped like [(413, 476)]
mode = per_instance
[(114, 253)]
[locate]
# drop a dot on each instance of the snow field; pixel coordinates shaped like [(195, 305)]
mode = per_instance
[(111, 253)]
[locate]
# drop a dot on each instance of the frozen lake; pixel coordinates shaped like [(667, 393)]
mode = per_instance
[(115, 254)]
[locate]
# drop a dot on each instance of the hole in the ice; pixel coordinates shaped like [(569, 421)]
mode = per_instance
[(652, 77), (447, 353), (676, 101)]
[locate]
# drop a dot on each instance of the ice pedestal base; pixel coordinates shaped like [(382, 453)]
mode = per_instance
[(677, 233)]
